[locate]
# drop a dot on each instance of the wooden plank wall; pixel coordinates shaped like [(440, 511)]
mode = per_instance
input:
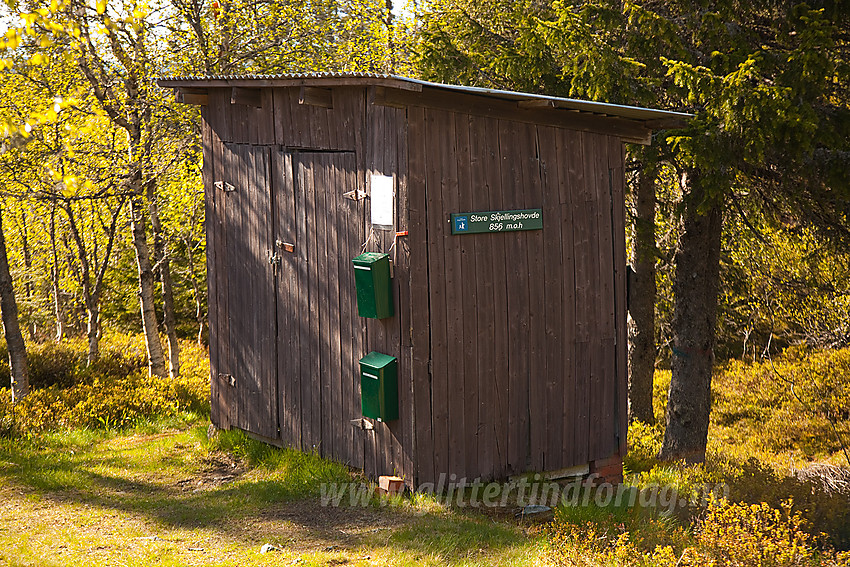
[(241, 289), (316, 155), (525, 374), (389, 446), (510, 346)]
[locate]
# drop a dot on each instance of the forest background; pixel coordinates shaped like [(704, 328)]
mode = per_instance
[(738, 232), (738, 226)]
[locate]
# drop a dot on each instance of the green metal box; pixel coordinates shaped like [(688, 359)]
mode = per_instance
[(379, 386), (374, 286)]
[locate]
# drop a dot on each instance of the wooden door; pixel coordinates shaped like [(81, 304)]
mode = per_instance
[(244, 387), (320, 338)]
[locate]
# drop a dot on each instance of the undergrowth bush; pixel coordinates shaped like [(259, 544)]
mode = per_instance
[(115, 392), (793, 404), (727, 534)]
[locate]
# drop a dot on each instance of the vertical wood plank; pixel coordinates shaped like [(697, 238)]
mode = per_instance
[(419, 293), (557, 333), (513, 191), (436, 128), (303, 211), (345, 217), (238, 260), (282, 117), (480, 260), (468, 304), (267, 338), (616, 166), (605, 407), (266, 118), (287, 332), (222, 298), (335, 188), (403, 310), (581, 294), (534, 281), (356, 237), (322, 300), (211, 224), (501, 338)]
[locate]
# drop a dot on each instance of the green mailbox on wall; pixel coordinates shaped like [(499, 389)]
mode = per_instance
[(374, 285), (379, 386)]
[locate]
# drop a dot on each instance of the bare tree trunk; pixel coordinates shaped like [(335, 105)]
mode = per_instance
[(196, 291), (163, 266), (28, 291), (11, 325), (695, 290), (642, 299), (147, 282), (54, 278), (169, 319)]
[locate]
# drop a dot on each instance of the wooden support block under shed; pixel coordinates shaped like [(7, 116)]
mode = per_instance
[(390, 485)]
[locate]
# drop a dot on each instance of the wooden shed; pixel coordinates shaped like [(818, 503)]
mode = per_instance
[(510, 339)]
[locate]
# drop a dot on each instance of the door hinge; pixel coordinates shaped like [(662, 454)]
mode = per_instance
[(224, 186)]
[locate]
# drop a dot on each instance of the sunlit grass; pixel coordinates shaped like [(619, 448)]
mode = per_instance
[(152, 496)]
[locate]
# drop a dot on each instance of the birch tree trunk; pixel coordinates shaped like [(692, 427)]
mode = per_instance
[(11, 325), (54, 278), (695, 290), (163, 266), (147, 282)]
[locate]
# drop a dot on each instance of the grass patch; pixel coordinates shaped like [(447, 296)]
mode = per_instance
[(176, 497)]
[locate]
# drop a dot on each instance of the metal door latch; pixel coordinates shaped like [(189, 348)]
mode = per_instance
[(288, 246), (224, 186), (228, 378), (356, 195), (273, 258)]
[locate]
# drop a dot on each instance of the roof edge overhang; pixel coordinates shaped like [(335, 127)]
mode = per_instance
[(395, 90)]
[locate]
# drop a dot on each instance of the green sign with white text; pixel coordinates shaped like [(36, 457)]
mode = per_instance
[(497, 221)]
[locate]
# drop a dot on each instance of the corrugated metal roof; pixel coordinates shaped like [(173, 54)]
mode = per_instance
[(601, 108)]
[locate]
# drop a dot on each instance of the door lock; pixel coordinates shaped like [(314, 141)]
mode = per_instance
[(288, 246)]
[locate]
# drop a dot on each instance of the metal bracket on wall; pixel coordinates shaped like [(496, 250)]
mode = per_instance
[(356, 195), (362, 423), (228, 378), (226, 187)]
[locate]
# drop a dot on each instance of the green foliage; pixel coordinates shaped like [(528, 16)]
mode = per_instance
[(615, 535), (826, 513), (644, 444), (116, 392), (785, 405), (754, 534)]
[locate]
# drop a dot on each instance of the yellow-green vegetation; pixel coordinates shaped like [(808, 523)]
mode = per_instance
[(175, 497), (774, 451), (103, 464), (114, 392)]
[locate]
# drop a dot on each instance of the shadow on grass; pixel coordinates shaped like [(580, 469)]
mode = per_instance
[(245, 510)]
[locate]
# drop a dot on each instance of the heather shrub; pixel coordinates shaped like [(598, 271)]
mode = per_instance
[(115, 392)]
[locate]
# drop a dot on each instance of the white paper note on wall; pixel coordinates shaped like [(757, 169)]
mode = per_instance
[(382, 201)]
